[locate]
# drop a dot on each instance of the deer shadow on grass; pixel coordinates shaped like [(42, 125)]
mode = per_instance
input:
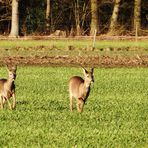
[(51, 105), (22, 102), (48, 105)]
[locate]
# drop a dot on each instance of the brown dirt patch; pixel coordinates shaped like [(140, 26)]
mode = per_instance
[(96, 61)]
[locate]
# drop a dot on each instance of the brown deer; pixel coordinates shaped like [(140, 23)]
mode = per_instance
[(7, 88), (80, 89)]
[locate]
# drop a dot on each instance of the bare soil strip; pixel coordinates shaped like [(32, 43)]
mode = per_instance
[(96, 61)]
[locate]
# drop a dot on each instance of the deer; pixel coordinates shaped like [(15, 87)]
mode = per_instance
[(79, 89), (7, 88)]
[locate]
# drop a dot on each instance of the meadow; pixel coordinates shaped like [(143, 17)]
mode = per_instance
[(54, 48), (62, 44), (115, 114)]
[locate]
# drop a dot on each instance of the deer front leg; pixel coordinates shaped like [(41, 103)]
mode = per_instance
[(1, 102), (14, 101), (80, 105)]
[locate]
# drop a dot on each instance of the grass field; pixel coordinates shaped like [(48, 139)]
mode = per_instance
[(31, 48), (116, 113), (62, 44)]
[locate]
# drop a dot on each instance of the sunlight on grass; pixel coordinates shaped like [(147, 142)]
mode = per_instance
[(115, 114), (62, 44)]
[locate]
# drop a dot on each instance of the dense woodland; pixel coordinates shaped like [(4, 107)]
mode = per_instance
[(73, 17)]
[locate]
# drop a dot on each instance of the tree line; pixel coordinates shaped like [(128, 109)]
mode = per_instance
[(74, 17)]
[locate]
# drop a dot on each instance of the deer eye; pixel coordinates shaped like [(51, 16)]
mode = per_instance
[(87, 76)]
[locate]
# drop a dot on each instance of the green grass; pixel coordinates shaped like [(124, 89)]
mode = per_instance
[(31, 48), (62, 44), (115, 114)]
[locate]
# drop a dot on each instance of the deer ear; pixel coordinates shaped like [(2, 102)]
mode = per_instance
[(92, 70), (7, 66), (84, 71), (14, 67)]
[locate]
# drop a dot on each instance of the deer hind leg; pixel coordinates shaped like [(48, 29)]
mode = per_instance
[(80, 105), (71, 102), (1, 102), (14, 101), (9, 104)]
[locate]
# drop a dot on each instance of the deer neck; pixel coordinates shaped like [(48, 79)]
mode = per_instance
[(86, 86), (9, 83), (85, 89)]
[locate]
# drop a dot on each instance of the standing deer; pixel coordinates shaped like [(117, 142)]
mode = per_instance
[(80, 89), (7, 88)]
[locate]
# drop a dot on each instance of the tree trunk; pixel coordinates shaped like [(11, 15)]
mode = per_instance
[(48, 15), (77, 18), (114, 17), (137, 16), (94, 17), (15, 19)]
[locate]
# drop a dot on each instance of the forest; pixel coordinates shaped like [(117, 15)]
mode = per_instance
[(73, 18)]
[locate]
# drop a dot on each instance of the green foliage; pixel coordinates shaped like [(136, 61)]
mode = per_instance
[(32, 14), (115, 114)]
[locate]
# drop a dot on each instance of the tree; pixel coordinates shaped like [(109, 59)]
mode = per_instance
[(4, 10), (94, 17), (78, 13), (5, 16), (114, 17), (137, 15), (15, 19), (47, 15), (77, 18)]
